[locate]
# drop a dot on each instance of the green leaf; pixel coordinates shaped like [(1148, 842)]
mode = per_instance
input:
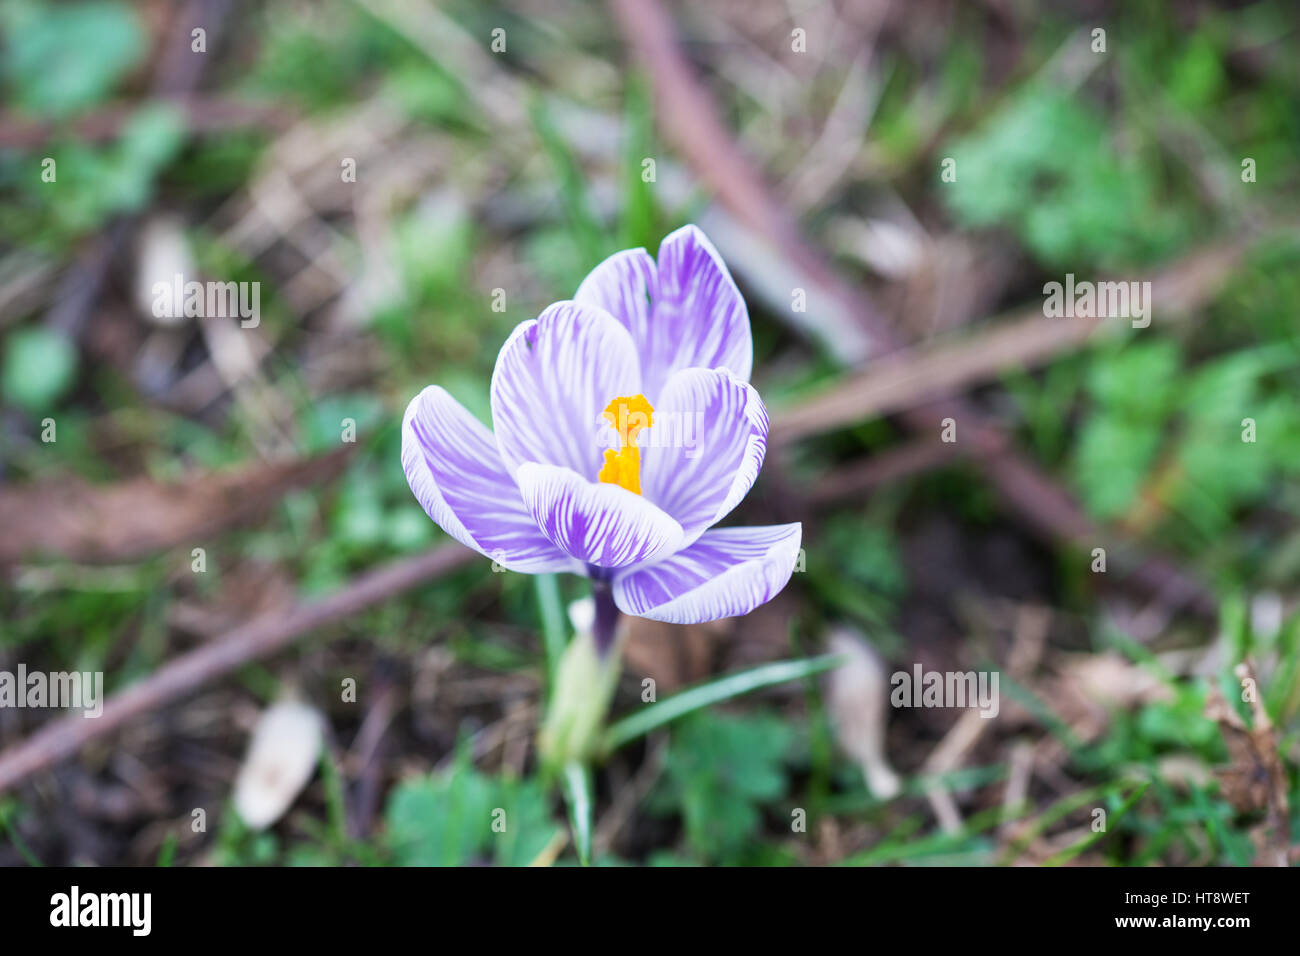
[(1070, 852), (38, 368), (1044, 166), (528, 826), (61, 57), (9, 812), (637, 225), (151, 138), (459, 816), (1134, 389), (577, 794), (713, 692), (1197, 76), (1113, 457), (720, 771), (1139, 381), (441, 820), (584, 226)]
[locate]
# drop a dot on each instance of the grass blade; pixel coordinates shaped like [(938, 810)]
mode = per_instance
[(656, 715), (574, 197), (1070, 852), (577, 794)]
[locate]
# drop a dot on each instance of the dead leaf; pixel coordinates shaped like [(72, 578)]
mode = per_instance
[(281, 758), (74, 519), (857, 699), (675, 656), (1255, 779)]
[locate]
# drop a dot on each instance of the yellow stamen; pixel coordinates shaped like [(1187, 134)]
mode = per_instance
[(627, 416)]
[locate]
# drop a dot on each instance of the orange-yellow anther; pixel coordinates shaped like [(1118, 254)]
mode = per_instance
[(627, 416)]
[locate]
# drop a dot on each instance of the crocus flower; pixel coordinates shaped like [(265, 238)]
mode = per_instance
[(625, 429)]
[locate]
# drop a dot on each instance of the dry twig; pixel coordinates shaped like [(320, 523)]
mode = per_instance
[(62, 738)]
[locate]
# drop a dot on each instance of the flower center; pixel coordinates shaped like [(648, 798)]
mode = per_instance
[(627, 416)]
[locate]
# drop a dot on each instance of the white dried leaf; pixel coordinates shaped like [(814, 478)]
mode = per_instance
[(1113, 680), (858, 698), (281, 758), (164, 254)]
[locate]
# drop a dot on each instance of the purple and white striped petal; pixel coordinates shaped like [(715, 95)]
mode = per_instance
[(705, 449), (553, 378), (625, 285), (684, 312), (597, 523), (726, 573), (455, 470)]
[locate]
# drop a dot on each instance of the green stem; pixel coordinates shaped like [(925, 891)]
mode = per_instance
[(554, 632)]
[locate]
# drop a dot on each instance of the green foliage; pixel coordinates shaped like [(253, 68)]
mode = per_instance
[(324, 60), (447, 819), (370, 515), (1145, 404), (39, 365), (322, 421), (1130, 390), (871, 561), (79, 614), (712, 692), (1219, 471), (1044, 167), (237, 844), (639, 219), (62, 57), (721, 771), (858, 570), (428, 95), (93, 183), (584, 230), (11, 812), (1197, 75)]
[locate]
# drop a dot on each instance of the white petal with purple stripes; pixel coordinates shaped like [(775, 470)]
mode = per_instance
[(455, 470), (705, 449), (726, 573), (683, 312), (624, 285), (598, 523), (553, 378)]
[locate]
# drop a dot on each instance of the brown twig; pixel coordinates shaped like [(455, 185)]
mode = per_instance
[(365, 761), (132, 519), (201, 115), (909, 377), (65, 736), (692, 120), (911, 458)]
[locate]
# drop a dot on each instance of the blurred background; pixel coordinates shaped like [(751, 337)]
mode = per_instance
[(892, 184)]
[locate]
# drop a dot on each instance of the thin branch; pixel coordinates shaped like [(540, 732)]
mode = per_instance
[(914, 457), (202, 115), (65, 736), (907, 378)]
